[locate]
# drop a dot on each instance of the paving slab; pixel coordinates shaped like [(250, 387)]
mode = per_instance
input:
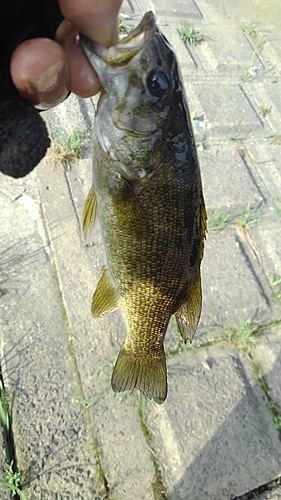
[(267, 165), (228, 184), (226, 52), (177, 9), (234, 287), (207, 453), (54, 447), (267, 93), (226, 107), (221, 12), (267, 240)]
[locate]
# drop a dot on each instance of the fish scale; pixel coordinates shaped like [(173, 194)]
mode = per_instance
[(147, 194)]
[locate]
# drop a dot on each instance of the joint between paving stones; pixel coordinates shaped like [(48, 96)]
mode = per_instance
[(159, 488), (273, 407), (80, 393), (98, 455), (6, 421)]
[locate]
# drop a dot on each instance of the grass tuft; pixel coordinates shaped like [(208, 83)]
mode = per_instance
[(274, 408), (243, 337), (247, 219), (13, 481), (219, 220), (278, 206), (122, 26), (250, 69), (69, 149), (252, 31), (11, 477), (264, 110), (190, 35), (275, 284), (275, 137)]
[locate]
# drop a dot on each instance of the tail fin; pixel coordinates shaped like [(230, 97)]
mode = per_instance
[(149, 377)]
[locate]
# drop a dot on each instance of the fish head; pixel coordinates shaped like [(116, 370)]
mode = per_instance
[(142, 110), (137, 75)]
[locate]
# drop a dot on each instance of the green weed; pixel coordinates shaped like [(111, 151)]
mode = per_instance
[(122, 26), (277, 421), (69, 149), (178, 348), (124, 395), (275, 284), (239, 146), (218, 220), (259, 377), (275, 137), (264, 110), (247, 219), (274, 408), (278, 206), (243, 337), (235, 138), (255, 35), (190, 35), (4, 410), (248, 71), (259, 161), (103, 475), (13, 481), (87, 403)]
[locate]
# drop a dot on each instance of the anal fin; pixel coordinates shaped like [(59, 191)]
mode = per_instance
[(106, 298), (188, 314)]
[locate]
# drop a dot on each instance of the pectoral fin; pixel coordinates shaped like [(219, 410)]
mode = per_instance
[(188, 314), (106, 298), (89, 216), (149, 376)]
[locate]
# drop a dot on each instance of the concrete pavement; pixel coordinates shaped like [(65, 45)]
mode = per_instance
[(217, 437)]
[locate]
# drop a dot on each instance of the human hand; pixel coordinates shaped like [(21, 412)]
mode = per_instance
[(45, 70), (42, 70)]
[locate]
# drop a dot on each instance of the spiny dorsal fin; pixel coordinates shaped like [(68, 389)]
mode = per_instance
[(89, 216), (150, 377), (106, 298)]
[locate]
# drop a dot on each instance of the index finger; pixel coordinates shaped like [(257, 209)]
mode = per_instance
[(96, 19)]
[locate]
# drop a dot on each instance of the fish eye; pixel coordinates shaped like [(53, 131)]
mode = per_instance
[(157, 83)]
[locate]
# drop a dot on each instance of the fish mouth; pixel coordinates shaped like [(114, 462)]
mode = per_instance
[(126, 49)]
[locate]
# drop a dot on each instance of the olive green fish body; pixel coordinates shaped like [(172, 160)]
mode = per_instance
[(148, 196)]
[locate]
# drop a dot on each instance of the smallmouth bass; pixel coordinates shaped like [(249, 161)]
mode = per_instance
[(147, 194)]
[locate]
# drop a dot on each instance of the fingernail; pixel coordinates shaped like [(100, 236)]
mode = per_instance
[(65, 30), (48, 80)]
